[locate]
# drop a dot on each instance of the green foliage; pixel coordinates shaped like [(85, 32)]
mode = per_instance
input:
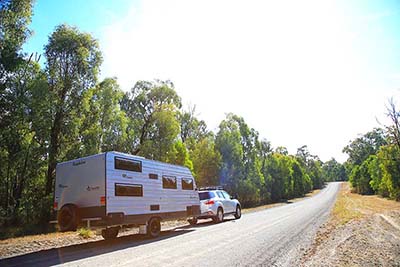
[(380, 171), (85, 233), (149, 104), (257, 175), (179, 155), (362, 147), (105, 125), (15, 16), (161, 134), (389, 158), (334, 171), (206, 162), (73, 62), (192, 129), (360, 178)]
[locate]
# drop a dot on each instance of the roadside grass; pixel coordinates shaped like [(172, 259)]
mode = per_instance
[(361, 231), (345, 209), (351, 206), (85, 233)]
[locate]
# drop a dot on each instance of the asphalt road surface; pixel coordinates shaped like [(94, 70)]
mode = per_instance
[(272, 237)]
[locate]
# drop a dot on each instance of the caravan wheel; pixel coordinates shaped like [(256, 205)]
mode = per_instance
[(68, 218), (110, 233), (153, 227)]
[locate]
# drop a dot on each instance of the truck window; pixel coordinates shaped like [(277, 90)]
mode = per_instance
[(187, 184), (127, 164), (128, 190), (169, 182)]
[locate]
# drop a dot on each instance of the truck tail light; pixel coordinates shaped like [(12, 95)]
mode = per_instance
[(210, 202), (55, 205), (102, 200)]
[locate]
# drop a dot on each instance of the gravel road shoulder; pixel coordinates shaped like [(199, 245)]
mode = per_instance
[(362, 231)]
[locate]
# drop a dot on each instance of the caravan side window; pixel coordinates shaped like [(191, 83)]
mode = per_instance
[(128, 190), (127, 164), (187, 184), (169, 182)]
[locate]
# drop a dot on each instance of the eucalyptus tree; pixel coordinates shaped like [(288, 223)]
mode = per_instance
[(105, 125), (15, 17), (206, 162), (73, 62), (147, 103), (192, 129)]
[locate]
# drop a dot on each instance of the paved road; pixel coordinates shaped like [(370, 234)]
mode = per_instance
[(272, 237)]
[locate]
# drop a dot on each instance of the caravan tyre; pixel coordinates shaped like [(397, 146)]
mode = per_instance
[(68, 218), (110, 233), (153, 227)]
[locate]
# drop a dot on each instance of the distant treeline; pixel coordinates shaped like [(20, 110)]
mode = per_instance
[(61, 112)]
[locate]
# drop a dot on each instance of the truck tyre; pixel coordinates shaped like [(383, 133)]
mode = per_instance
[(110, 233), (153, 227), (238, 212), (220, 216), (68, 218)]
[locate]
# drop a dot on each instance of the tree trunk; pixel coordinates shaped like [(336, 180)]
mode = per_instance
[(17, 194), (7, 196), (142, 136), (53, 151)]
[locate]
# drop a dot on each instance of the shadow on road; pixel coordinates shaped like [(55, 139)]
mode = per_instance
[(77, 252)]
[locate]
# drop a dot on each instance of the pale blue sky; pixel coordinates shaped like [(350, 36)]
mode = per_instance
[(310, 72)]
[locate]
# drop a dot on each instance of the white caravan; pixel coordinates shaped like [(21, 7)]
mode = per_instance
[(113, 190)]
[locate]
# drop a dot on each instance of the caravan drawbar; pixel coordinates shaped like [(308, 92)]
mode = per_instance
[(113, 190)]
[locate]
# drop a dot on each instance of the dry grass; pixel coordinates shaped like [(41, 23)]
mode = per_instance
[(38, 238), (362, 231), (350, 206)]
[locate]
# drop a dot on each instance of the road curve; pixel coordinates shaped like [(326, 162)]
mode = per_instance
[(272, 237)]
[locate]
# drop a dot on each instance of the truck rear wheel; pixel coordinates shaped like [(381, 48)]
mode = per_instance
[(110, 233), (68, 218), (153, 227)]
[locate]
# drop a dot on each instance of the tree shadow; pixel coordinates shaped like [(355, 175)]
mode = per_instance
[(90, 249)]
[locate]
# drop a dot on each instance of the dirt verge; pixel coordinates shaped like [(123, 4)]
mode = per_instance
[(362, 231)]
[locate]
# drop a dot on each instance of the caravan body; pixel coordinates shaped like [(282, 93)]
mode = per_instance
[(114, 189)]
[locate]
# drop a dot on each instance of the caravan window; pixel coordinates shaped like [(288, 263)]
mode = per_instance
[(153, 176), (169, 182), (127, 164), (128, 190), (187, 184)]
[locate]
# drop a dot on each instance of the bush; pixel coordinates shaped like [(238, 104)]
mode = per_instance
[(85, 233)]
